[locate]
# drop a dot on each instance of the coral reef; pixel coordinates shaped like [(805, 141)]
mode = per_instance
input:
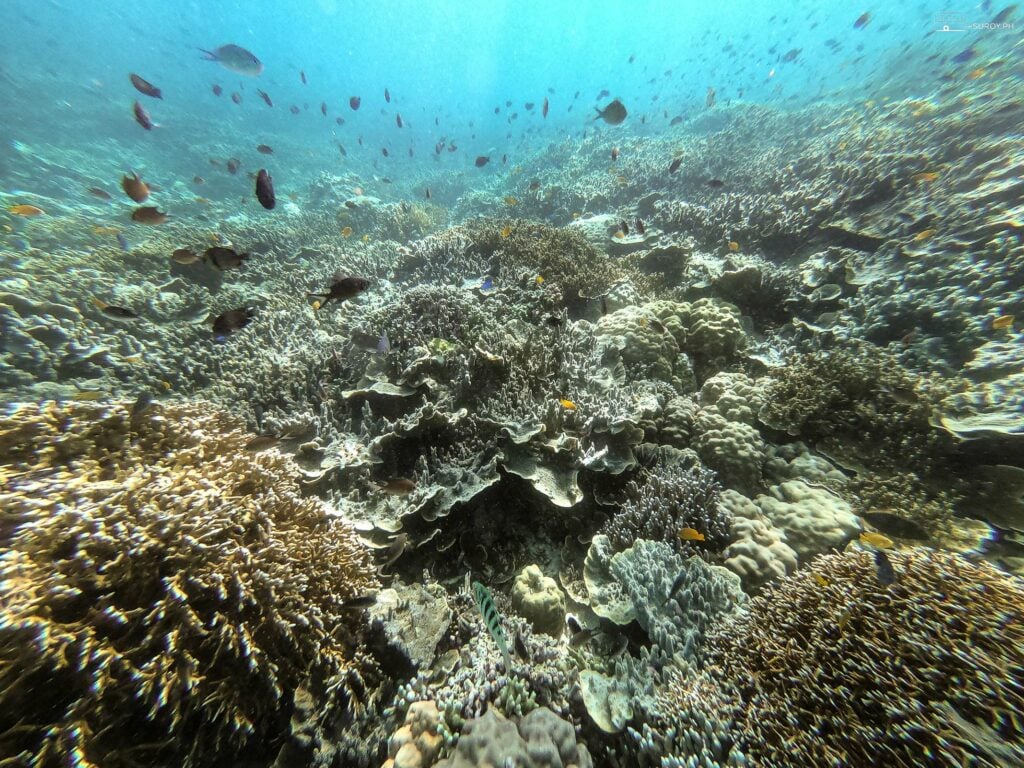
[(541, 739), (167, 593), (539, 600)]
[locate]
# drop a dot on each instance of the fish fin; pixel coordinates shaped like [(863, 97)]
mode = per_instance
[(210, 55)]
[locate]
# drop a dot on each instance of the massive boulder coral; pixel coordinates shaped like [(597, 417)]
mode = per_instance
[(813, 519), (167, 595), (541, 739)]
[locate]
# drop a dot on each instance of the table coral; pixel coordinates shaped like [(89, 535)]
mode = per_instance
[(165, 593)]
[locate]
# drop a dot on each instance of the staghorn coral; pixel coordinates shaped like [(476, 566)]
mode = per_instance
[(927, 672), (166, 594), (666, 499)]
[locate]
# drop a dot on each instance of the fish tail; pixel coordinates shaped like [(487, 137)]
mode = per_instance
[(210, 55)]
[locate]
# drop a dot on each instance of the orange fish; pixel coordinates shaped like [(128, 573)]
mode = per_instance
[(509, 200), (346, 232), (506, 231), (1003, 321), (920, 237), (691, 534), (569, 405), (135, 187), (26, 210), (734, 246), (927, 177)]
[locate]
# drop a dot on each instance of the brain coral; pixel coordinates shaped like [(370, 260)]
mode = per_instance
[(926, 672), (165, 593)]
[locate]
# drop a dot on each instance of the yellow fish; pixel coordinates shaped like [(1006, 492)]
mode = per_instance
[(509, 200), (100, 230), (365, 238), (928, 176), (734, 246), (506, 230), (691, 534), (569, 405), (576, 214), (133, 359), (165, 384), (85, 395), (346, 232), (822, 581), (317, 305), (540, 279), (26, 210), (620, 234), (878, 540), (1003, 321), (920, 237)]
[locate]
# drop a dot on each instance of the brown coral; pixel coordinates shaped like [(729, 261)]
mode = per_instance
[(927, 672), (165, 593)]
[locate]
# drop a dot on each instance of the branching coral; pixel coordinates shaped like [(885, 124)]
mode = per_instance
[(831, 667), (165, 593)]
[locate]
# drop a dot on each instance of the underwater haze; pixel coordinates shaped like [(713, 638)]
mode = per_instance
[(535, 384)]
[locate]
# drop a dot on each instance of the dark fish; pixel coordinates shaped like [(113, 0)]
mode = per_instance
[(1004, 14), (791, 54), (198, 180), (522, 651), (368, 342), (862, 20), (261, 443), (674, 165), (481, 161), (534, 185), (235, 58), (142, 116), (604, 92), (302, 75), (427, 192), (624, 226), (710, 99), (613, 114), (293, 109), (232, 165), (384, 151), (632, 58), (676, 120), (677, 584), (122, 242), (116, 312), (264, 149), (398, 120), (544, 109), (265, 189), (528, 106), (387, 95), (263, 95), (359, 603), (217, 90), (354, 102), (149, 214), (184, 256), (504, 159), (236, 97), (964, 56), (884, 569), (102, 194), (639, 225), (398, 486), (233, 320), (224, 258), (497, 110), (895, 525), (395, 549), (716, 183), (604, 305), (339, 120), (142, 403), (144, 87), (343, 288), (323, 108)]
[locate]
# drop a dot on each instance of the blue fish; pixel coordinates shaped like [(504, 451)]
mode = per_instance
[(965, 55), (487, 285), (123, 242), (883, 566)]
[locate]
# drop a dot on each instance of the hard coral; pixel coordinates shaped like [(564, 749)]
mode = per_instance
[(166, 594), (926, 672)]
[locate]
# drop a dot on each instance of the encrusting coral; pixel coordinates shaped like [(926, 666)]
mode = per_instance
[(167, 595)]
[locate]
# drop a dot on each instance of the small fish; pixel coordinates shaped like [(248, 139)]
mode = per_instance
[(539, 280), (509, 200), (615, 154), (28, 211), (690, 534), (346, 231), (883, 568), (264, 149), (102, 194), (110, 310), (302, 76), (927, 176), (222, 257), (544, 108), (294, 109), (1003, 322), (265, 189), (198, 180), (965, 55), (398, 119), (639, 226), (604, 305), (506, 230), (149, 214), (142, 403), (233, 164), (101, 230), (569, 405), (384, 343), (620, 234), (144, 87), (613, 114), (481, 161), (261, 443), (395, 549), (217, 90), (359, 603), (343, 288), (364, 239), (734, 246), (534, 185), (676, 120), (877, 540), (862, 20), (236, 97), (900, 394), (791, 55), (1004, 14), (821, 580), (185, 256), (387, 95), (716, 183), (266, 98), (88, 395), (710, 99), (142, 116), (135, 188), (235, 58), (398, 486), (624, 226), (677, 584), (926, 234), (230, 321), (522, 650), (122, 242), (384, 151), (974, 74), (487, 284), (674, 165), (492, 620), (323, 108), (354, 102)]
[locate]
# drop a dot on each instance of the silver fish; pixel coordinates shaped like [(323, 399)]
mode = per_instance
[(235, 58)]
